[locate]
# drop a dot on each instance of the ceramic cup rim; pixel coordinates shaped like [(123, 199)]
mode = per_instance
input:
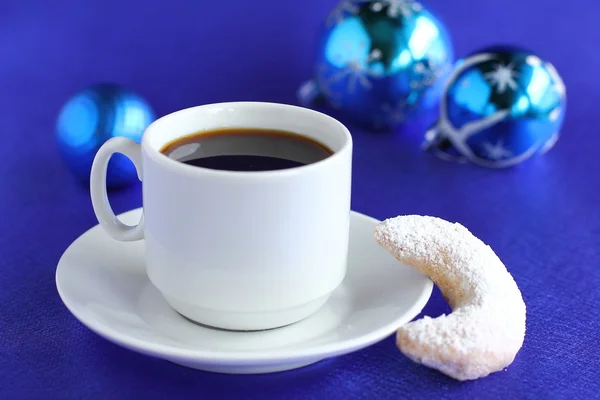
[(159, 125)]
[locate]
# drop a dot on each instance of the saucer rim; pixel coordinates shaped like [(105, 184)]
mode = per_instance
[(166, 351)]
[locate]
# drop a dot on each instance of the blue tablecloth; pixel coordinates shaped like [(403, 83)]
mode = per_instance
[(542, 218)]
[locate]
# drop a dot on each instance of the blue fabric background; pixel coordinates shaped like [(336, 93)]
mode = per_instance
[(542, 218)]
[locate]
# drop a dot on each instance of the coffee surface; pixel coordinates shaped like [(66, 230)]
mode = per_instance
[(246, 149)]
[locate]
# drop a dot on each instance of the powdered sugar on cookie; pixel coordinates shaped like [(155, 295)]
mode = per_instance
[(486, 328)]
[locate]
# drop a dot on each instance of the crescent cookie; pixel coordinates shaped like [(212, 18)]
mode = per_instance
[(486, 327)]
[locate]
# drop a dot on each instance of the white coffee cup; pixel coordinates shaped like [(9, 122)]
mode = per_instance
[(238, 250)]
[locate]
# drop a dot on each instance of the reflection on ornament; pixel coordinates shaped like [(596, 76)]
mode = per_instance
[(376, 56), (502, 76), (502, 105), (395, 8), (427, 73), (353, 72), (394, 112), (340, 11), (497, 151), (93, 116)]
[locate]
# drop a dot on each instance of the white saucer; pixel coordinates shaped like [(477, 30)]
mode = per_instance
[(103, 283)]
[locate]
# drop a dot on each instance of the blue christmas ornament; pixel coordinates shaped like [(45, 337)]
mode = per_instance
[(380, 62), (502, 105), (93, 116)]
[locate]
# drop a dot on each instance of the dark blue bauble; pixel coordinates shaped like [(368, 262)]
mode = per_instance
[(93, 116), (382, 63), (502, 105)]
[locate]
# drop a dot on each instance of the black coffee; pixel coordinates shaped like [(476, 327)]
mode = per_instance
[(242, 149)]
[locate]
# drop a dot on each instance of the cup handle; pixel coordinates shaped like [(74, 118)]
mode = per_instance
[(107, 218)]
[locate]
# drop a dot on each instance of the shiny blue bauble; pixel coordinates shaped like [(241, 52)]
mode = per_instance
[(502, 105), (382, 63), (93, 116)]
